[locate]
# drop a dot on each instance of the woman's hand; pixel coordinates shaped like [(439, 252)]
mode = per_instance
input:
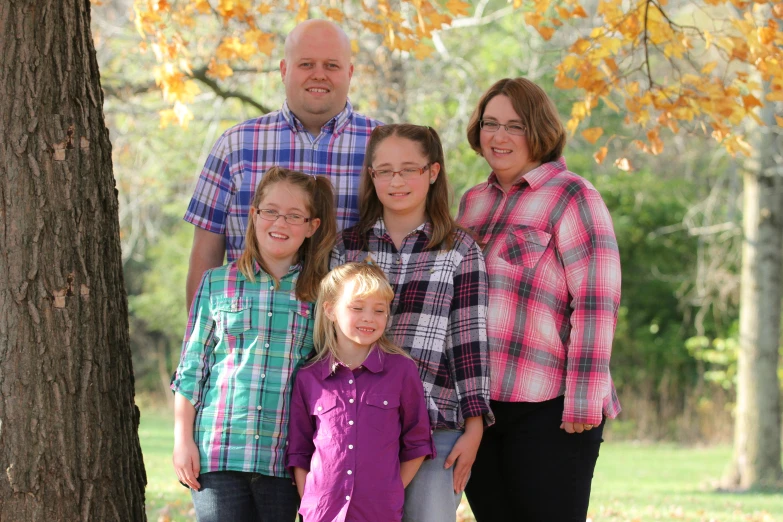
[(187, 463), (464, 452), (575, 427)]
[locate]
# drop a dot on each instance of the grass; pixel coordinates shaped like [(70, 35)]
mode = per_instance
[(633, 483)]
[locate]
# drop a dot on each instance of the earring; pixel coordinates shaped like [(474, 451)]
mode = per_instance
[(432, 181)]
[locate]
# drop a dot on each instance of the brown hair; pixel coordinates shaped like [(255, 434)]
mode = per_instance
[(370, 281), (438, 194), (545, 134), (315, 250)]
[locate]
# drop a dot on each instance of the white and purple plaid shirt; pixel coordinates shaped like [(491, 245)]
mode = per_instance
[(222, 198)]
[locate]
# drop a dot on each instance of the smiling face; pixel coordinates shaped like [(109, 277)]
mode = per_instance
[(400, 196), (317, 72), (507, 154), (359, 320), (279, 241)]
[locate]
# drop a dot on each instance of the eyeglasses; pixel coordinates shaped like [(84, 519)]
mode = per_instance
[(493, 126), (406, 173), (291, 219)]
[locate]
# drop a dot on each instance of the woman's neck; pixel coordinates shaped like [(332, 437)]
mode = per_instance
[(507, 180), (399, 225), (278, 268)]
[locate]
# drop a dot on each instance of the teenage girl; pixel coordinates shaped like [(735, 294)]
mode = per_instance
[(250, 329), (438, 314), (359, 427)]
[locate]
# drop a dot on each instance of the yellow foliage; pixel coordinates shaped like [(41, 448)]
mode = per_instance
[(546, 32), (221, 71), (779, 120), (458, 7), (334, 14), (600, 155), (709, 67), (623, 164), (232, 48), (422, 51), (264, 41), (592, 134)]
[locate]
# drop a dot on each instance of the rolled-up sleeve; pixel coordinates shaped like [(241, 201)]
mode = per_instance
[(301, 429), (415, 435), (193, 368)]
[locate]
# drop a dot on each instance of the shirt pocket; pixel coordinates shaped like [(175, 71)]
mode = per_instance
[(233, 317), (325, 410), (524, 247), (383, 412), (301, 321)]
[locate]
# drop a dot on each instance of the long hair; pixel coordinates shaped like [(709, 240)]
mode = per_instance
[(438, 195), (314, 252), (370, 281), (546, 137)]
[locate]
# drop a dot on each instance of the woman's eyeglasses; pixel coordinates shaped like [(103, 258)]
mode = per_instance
[(291, 219), (406, 173), (513, 128)]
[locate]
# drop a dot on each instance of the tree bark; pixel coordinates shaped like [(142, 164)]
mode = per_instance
[(69, 447), (756, 461)]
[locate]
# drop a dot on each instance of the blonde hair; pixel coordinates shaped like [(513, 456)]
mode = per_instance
[(315, 250), (371, 281), (438, 195)]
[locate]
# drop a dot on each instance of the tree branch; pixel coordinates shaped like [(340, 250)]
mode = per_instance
[(201, 75)]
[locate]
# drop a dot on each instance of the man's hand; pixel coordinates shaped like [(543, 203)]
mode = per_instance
[(575, 427)]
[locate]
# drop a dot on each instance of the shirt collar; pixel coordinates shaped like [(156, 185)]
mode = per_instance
[(379, 229), (537, 177), (333, 126), (373, 363), (292, 270)]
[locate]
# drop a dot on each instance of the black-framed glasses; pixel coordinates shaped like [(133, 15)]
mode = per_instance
[(406, 173), (272, 215), (516, 129)]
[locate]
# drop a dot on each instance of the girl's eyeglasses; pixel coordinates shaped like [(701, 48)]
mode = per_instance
[(493, 126), (406, 173), (291, 219)]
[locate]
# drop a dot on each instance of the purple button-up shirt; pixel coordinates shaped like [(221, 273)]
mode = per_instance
[(351, 430)]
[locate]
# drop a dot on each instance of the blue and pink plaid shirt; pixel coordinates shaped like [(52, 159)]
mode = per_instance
[(224, 192), (554, 289)]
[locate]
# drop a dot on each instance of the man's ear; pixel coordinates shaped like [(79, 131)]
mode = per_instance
[(283, 69)]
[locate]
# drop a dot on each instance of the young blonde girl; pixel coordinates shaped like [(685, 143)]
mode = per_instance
[(359, 428), (438, 314), (250, 328)]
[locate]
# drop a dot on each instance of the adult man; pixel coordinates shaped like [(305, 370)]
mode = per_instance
[(316, 132)]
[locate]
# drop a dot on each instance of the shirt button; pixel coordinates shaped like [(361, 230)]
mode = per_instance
[(350, 472), (257, 437), (350, 423), (266, 345), (350, 446), (385, 403), (350, 400), (263, 375), (319, 408), (258, 408), (269, 314), (350, 381), (347, 497)]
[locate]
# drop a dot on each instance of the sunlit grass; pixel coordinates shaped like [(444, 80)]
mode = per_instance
[(633, 483)]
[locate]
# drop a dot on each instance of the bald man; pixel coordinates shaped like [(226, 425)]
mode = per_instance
[(316, 132)]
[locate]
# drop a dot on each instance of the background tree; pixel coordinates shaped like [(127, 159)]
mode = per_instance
[(69, 447)]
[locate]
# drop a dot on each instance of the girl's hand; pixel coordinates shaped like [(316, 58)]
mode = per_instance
[(575, 427), (186, 463), (464, 453)]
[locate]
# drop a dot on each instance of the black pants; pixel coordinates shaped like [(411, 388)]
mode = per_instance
[(529, 470)]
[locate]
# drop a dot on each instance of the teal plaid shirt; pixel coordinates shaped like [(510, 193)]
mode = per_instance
[(243, 344)]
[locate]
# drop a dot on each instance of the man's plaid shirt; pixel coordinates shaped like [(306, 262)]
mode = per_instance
[(554, 289), (438, 315), (224, 192), (243, 344)]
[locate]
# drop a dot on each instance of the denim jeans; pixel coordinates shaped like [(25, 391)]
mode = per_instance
[(528, 469), (430, 496), (236, 496)]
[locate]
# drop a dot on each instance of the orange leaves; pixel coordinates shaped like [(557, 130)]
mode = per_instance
[(592, 134), (600, 155), (458, 7)]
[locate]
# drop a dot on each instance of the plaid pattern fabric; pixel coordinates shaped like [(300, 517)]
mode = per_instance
[(554, 289), (244, 342), (438, 315), (224, 192)]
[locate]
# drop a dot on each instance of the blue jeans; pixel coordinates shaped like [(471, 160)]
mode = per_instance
[(236, 496), (430, 496)]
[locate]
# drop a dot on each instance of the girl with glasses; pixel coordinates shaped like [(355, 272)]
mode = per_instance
[(554, 294), (439, 308), (250, 329)]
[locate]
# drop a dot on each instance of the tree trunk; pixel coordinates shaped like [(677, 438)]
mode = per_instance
[(69, 447), (756, 461)]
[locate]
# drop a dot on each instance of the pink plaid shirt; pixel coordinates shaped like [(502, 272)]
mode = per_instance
[(554, 289)]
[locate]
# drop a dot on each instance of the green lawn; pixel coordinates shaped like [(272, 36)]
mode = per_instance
[(633, 483)]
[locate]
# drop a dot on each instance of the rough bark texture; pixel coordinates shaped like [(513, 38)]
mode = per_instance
[(756, 461), (69, 448)]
